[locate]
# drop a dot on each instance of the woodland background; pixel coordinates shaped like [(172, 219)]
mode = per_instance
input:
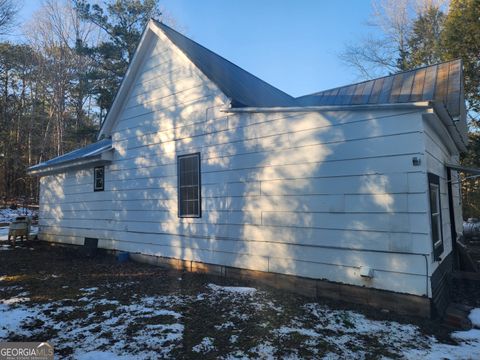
[(57, 86)]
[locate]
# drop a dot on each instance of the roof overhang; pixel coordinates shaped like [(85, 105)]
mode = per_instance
[(456, 126), (99, 159), (465, 169), (389, 106)]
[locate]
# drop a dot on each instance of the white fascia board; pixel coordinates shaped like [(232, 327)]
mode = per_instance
[(437, 125), (450, 124), (97, 160), (413, 105)]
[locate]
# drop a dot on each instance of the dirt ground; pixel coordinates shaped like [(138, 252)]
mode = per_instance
[(98, 305)]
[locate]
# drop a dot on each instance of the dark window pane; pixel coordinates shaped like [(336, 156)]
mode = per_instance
[(435, 227), (189, 177), (191, 163), (195, 177), (98, 183), (189, 190), (193, 193), (433, 198), (185, 176), (181, 179), (183, 194)]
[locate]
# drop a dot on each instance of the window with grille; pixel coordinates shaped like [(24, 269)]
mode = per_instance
[(435, 215), (189, 191), (99, 178)]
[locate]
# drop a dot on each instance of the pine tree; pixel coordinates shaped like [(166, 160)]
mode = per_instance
[(424, 43), (461, 39), (122, 23)]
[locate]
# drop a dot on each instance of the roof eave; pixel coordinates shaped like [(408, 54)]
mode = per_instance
[(452, 125), (410, 105), (103, 158)]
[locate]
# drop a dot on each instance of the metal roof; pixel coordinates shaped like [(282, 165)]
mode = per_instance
[(243, 88), (87, 152), (439, 82)]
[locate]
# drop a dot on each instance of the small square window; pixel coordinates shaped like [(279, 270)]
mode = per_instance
[(189, 186), (99, 178)]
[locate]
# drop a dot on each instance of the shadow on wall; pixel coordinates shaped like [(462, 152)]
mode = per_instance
[(281, 192)]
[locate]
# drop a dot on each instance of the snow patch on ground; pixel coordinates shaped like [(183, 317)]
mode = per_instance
[(12, 319), (227, 325), (205, 346), (101, 355), (474, 317), (233, 339), (160, 334), (264, 350), (470, 335), (233, 289), (285, 330), (404, 335), (14, 300), (148, 327), (89, 290), (464, 350)]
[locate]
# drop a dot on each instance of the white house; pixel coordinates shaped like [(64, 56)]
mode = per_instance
[(200, 161)]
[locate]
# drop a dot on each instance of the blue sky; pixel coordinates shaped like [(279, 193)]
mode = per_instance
[(293, 45)]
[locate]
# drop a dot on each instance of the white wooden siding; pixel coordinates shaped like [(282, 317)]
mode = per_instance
[(437, 155), (312, 194)]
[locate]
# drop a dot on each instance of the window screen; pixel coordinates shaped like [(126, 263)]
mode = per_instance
[(435, 214), (99, 178), (189, 200)]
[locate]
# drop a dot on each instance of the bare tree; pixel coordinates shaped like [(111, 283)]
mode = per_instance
[(54, 33), (57, 23), (386, 50), (8, 12)]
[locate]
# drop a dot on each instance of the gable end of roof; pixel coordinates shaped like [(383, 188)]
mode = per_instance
[(243, 88)]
